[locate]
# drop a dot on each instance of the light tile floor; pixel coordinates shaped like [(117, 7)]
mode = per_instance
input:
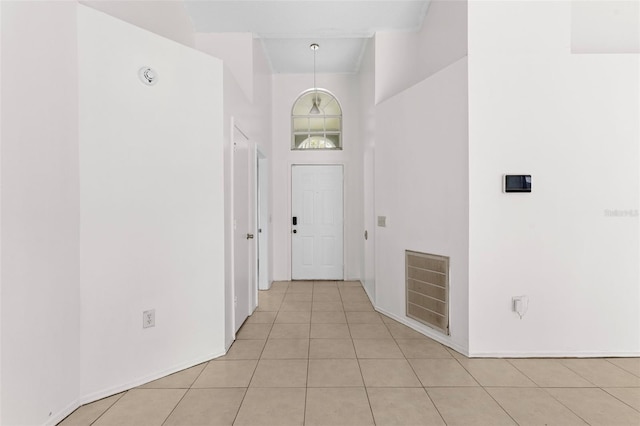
[(316, 353)]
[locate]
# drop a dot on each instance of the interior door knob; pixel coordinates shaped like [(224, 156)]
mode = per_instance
[(249, 236)]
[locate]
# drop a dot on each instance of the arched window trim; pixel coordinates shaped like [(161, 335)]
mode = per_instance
[(323, 137)]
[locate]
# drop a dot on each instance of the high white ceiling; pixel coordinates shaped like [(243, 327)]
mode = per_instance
[(287, 28)]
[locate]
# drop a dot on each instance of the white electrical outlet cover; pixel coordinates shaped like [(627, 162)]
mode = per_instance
[(520, 305), (149, 318)]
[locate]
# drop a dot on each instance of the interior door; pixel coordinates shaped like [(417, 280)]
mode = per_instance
[(317, 222), (243, 233), (263, 221)]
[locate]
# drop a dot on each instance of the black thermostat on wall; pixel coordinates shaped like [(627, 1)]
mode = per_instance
[(516, 183)]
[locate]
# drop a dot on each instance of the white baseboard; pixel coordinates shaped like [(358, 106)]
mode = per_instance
[(554, 354), (94, 396), (430, 333), (60, 415), (368, 295), (268, 286), (506, 354)]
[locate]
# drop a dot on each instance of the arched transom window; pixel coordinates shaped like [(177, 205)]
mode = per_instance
[(316, 121)]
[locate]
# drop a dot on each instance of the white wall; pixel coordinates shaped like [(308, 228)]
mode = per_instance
[(236, 50), (0, 215), (259, 124), (366, 79), (247, 115), (286, 89), (605, 26), (236, 105), (166, 18), (40, 303), (421, 160), (421, 186), (151, 157), (405, 58), (152, 209), (396, 55), (571, 121), (248, 77)]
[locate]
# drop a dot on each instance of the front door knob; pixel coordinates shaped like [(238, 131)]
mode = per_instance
[(249, 236)]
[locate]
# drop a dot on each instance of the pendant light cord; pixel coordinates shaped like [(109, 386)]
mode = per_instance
[(315, 87), (316, 101)]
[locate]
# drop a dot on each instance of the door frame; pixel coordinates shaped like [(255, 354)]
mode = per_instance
[(368, 273), (262, 228), (345, 224), (251, 197)]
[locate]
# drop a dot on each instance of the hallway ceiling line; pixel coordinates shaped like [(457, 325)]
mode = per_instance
[(287, 28)]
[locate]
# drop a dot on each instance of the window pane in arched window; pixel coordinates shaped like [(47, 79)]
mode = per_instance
[(316, 121)]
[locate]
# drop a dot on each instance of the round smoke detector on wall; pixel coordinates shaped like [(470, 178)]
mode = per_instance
[(148, 75)]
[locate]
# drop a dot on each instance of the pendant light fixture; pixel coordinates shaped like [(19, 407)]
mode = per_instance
[(316, 102)]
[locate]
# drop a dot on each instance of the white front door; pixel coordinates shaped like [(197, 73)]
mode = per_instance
[(243, 228), (317, 222)]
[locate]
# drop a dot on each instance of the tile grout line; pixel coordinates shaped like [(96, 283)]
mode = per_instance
[(500, 405), (485, 390), (469, 373), (578, 374), (564, 405), (522, 372), (104, 412), (595, 386), (364, 384), (609, 393), (176, 406), (414, 371), (434, 404), (623, 369), (246, 390), (306, 388), (489, 393)]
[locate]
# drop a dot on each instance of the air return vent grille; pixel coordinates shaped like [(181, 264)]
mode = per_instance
[(428, 289)]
